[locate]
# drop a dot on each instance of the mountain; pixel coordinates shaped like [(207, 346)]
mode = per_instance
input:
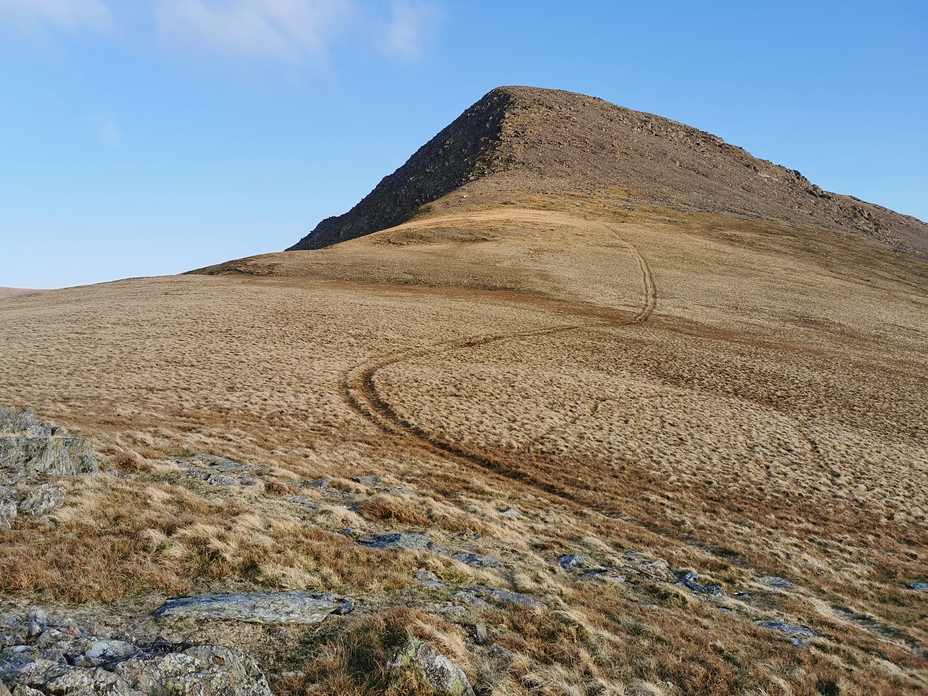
[(585, 424), (550, 141)]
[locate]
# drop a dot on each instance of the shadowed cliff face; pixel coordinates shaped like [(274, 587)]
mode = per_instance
[(458, 154), (548, 141)]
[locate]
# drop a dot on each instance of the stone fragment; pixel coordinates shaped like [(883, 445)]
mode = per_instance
[(511, 512), (203, 670), (920, 586), (42, 499), (419, 658), (774, 581), (571, 561), (475, 560), (427, 578), (507, 597), (689, 581), (403, 540), (796, 633), (111, 649), (480, 633), (320, 483), (472, 600), (656, 568), (276, 607), (369, 481)]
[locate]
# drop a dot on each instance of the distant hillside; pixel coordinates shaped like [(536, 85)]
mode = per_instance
[(13, 292), (540, 140)]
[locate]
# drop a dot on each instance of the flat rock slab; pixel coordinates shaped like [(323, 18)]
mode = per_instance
[(402, 540), (275, 607)]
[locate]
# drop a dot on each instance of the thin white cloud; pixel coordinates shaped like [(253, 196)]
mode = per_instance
[(106, 127), (61, 14), (288, 30), (409, 26)]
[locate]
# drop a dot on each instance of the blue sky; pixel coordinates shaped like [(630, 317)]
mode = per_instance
[(148, 137)]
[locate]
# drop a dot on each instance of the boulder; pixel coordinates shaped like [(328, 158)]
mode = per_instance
[(417, 658), (30, 452)]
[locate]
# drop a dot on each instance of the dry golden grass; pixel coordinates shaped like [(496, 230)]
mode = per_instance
[(763, 415)]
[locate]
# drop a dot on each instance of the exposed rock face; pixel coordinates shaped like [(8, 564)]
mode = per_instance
[(539, 140), (31, 452), (43, 656), (272, 607), (418, 656), (460, 153)]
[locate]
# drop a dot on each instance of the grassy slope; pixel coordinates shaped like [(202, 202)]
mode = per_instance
[(763, 414)]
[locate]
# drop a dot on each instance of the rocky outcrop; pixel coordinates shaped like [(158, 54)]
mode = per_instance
[(31, 453), (271, 607), (417, 659), (47, 657), (541, 141)]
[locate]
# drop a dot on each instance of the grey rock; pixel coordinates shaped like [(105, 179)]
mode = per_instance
[(506, 597), (111, 649), (402, 540), (774, 581), (37, 621), (511, 512), (26, 456), (427, 578), (24, 421), (369, 481), (23, 690), (302, 501), (656, 568), (42, 499), (689, 581), (89, 682), (471, 599), (422, 658), (788, 628), (204, 670), (276, 607), (480, 633), (475, 560), (920, 586), (453, 609), (603, 575), (320, 483), (400, 490), (498, 652), (572, 561), (9, 507)]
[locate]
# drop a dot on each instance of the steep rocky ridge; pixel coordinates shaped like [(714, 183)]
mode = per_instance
[(548, 141)]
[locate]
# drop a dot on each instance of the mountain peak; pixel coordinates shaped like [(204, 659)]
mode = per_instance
[(538, 140)]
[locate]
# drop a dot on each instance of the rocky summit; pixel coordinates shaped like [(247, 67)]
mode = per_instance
[(547, 141)]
